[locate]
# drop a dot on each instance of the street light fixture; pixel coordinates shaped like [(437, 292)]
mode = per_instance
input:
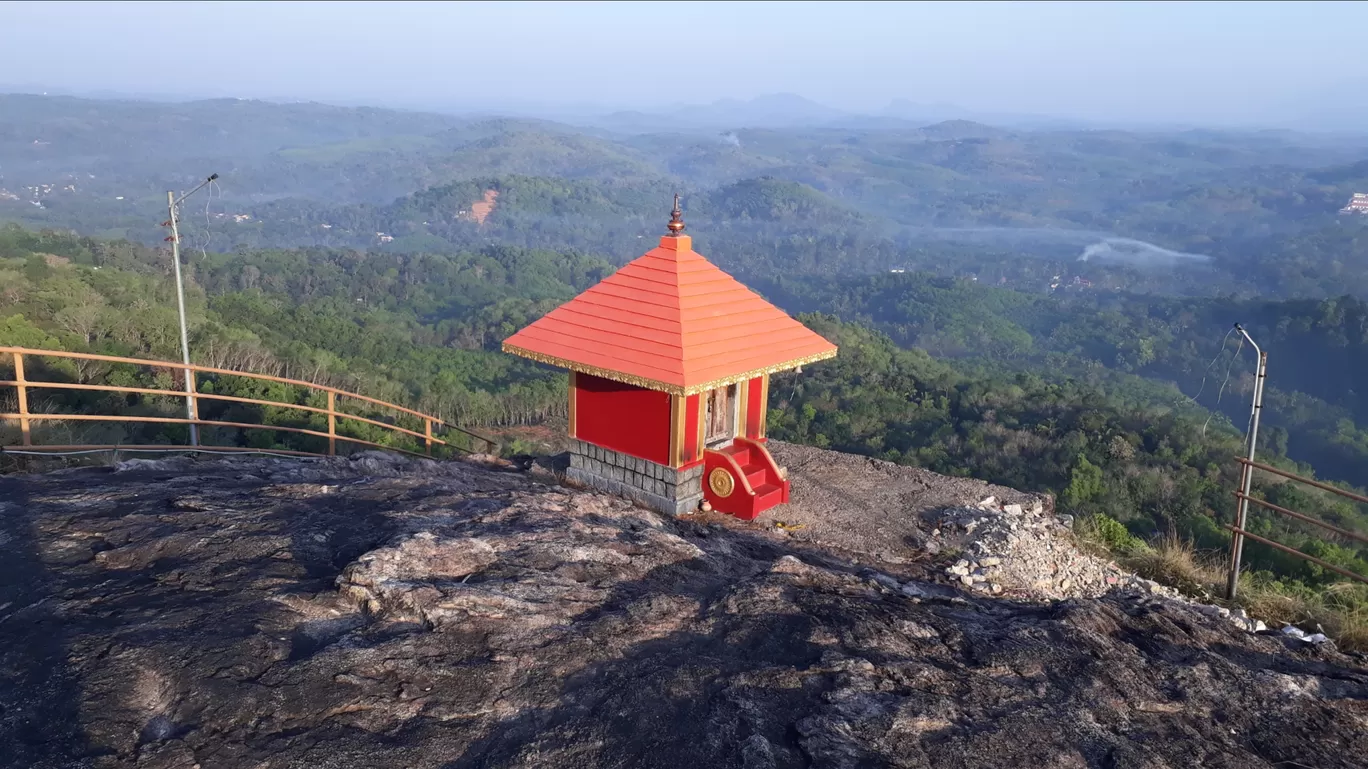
[(1247, 468), (172, 202)]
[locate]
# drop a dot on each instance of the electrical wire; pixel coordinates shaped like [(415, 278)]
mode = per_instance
[(208, 223), (1224, 341), (1221, 392), (1233, 358)]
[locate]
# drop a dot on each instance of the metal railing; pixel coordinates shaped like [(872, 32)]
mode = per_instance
[(1239, 532), (26, 417)]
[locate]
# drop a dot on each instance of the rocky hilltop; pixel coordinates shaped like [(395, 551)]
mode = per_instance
[(382, 612)]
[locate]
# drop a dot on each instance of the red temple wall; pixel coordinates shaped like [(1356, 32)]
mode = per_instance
[(623, 417), (756, 393)]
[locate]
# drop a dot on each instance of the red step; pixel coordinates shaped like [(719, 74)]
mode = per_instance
[(753, 463), (738, 452), (768, 495)]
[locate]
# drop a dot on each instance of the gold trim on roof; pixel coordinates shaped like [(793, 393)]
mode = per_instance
[(655, 384)]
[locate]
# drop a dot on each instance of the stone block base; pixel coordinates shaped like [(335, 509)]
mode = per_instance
[(642, 481)]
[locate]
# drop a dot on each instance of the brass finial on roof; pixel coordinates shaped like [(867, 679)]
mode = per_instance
[(676, 224)]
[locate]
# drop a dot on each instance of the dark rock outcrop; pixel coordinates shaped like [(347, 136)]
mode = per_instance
[(376, 612)]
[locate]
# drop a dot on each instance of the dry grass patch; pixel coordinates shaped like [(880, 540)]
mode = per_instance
[(1273, 603), (1353, 632), (1173, 561), (1343, 612), (1339, 610)]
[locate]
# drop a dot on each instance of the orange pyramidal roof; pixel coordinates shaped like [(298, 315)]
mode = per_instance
[(670, 320)]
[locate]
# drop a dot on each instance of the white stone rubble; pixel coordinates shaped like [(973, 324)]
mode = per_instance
[(1022, 551), (1302, 635)]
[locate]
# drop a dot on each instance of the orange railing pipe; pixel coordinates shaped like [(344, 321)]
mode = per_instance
[(1298, 553), (1303, 518), (1300, 479), (231, 372), (1248, 466), (25, 417)]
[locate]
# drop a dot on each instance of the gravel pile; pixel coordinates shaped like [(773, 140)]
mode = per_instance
[(1024, 551)]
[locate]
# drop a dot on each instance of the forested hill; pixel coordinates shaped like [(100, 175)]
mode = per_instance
[(751, 226), (419, 330), (766, 226), (425, 328), (1318, 349), (1206, 213), (129, 152)]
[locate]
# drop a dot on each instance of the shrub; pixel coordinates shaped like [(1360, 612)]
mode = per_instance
[(1109, 533)]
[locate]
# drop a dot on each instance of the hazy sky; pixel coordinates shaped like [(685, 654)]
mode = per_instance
[(1218, 62)]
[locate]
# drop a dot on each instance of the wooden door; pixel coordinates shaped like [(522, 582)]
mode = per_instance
[(720, 423)]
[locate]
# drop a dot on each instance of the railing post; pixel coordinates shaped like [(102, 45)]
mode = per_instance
[(427, 429), (22, 388), (332, 423), (1236, 538), (192, 403)]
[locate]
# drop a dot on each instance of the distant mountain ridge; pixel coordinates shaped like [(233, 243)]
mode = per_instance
[(788, 110), (288, 169), (783, 110)]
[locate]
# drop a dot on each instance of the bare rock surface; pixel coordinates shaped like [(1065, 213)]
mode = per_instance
[(379, 612), (872, 511)]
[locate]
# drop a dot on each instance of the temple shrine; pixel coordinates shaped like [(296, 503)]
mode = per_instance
[(670, 360)]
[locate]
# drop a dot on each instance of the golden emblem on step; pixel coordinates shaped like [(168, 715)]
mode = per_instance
[(721, 482)]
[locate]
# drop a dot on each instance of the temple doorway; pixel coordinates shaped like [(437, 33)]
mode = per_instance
[(720, 419)]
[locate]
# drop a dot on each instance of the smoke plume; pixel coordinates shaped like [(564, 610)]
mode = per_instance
[(1136, 252)]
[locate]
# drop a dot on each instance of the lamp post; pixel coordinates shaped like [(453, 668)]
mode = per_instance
[(172, 203), (1247, 474)]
